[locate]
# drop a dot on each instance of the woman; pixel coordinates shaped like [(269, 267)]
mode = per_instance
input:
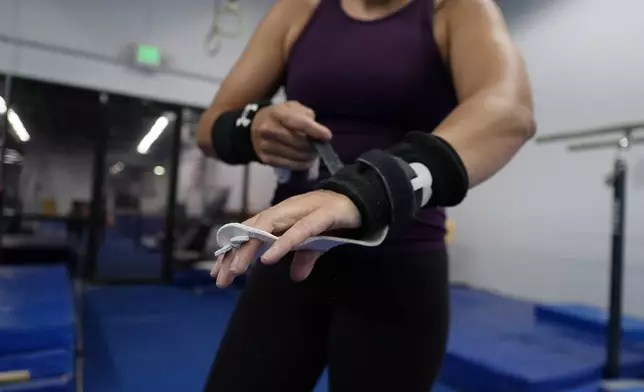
[(435, 85)]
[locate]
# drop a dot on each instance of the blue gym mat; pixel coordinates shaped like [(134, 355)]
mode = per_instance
[(155, 338), (40, 364), (64, 383), (588, 318), (122, 258), (37, 327), (151, 338), (496, 342), (163, 338), (36, 309)]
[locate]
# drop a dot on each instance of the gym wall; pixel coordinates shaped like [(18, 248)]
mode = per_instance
[(64, 177), (541, 228), (35, 36)]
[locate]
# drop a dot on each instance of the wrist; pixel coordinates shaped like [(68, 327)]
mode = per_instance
[(388, 188), (231, 134)]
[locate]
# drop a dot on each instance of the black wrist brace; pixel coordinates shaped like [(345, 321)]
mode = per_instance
[(231, 134), (379, 183)]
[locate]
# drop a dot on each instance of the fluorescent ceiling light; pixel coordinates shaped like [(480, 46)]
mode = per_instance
[(159, 170), (157, 129), (15, 122)]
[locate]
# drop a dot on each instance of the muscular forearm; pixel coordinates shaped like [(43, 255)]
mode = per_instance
[(475, 141), (487, 131), (204, 130)]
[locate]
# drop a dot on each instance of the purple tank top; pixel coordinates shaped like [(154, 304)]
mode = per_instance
[(370, 82)]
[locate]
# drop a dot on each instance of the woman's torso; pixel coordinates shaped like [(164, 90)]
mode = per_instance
[(370, 82)]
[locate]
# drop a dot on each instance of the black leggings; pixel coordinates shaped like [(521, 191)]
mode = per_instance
[(378, 320)]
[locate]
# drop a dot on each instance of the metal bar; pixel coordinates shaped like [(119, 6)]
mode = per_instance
[(614, 335), (3, 145), (170, 216), (603, 144), (98, 207), (606, 130)]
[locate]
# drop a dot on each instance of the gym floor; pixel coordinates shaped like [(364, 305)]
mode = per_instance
[(154, 338)]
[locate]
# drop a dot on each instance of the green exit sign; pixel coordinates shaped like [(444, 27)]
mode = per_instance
[(149, 55)]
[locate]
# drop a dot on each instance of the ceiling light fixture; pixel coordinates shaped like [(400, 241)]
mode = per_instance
[(155, 132), (15, 122)]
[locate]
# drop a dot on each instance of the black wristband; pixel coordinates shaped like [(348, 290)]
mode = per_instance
[(395, 178), (377, 191), (450, 178), (231, 134), (364, 188)]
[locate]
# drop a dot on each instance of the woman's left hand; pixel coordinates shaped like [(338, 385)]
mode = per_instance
[(298, 218)]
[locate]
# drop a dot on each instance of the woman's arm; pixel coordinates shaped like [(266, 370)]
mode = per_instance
[(492, 121), (257, 73), (495, 115)]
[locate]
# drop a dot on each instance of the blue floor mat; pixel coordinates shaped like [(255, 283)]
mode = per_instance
[(36, 309), (496, 342), (122, 258), (155, 338), (151, 338), (163, 338), (588, 318), (40, 364), (55, 384)]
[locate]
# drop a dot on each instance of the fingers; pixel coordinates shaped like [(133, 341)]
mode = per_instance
[(303, 263), (277, 161), (288, 152), (244, 256), (215, 269), (305, 110), (275, 131), (297, 121), (313, 224), (224, 277)]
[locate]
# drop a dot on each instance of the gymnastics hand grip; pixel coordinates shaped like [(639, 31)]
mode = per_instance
[(233, 235)]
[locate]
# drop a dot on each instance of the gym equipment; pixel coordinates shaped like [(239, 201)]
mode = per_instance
[(63, 383), (217, 32), (589, 319), (233, 235), (497, 345), (326, 153), (36, 249), (37, 322), (617, 181)]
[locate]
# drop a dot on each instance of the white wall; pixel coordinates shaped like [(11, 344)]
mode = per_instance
[(541, 228), (106, 29)]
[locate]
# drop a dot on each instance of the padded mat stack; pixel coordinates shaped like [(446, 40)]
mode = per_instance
[(36, 329), (496, 344), (590, 319)]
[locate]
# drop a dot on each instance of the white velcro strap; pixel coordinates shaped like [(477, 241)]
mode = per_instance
[(233, 235), (423, 180)]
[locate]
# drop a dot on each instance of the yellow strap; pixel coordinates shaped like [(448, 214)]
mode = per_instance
[(15, 375)]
